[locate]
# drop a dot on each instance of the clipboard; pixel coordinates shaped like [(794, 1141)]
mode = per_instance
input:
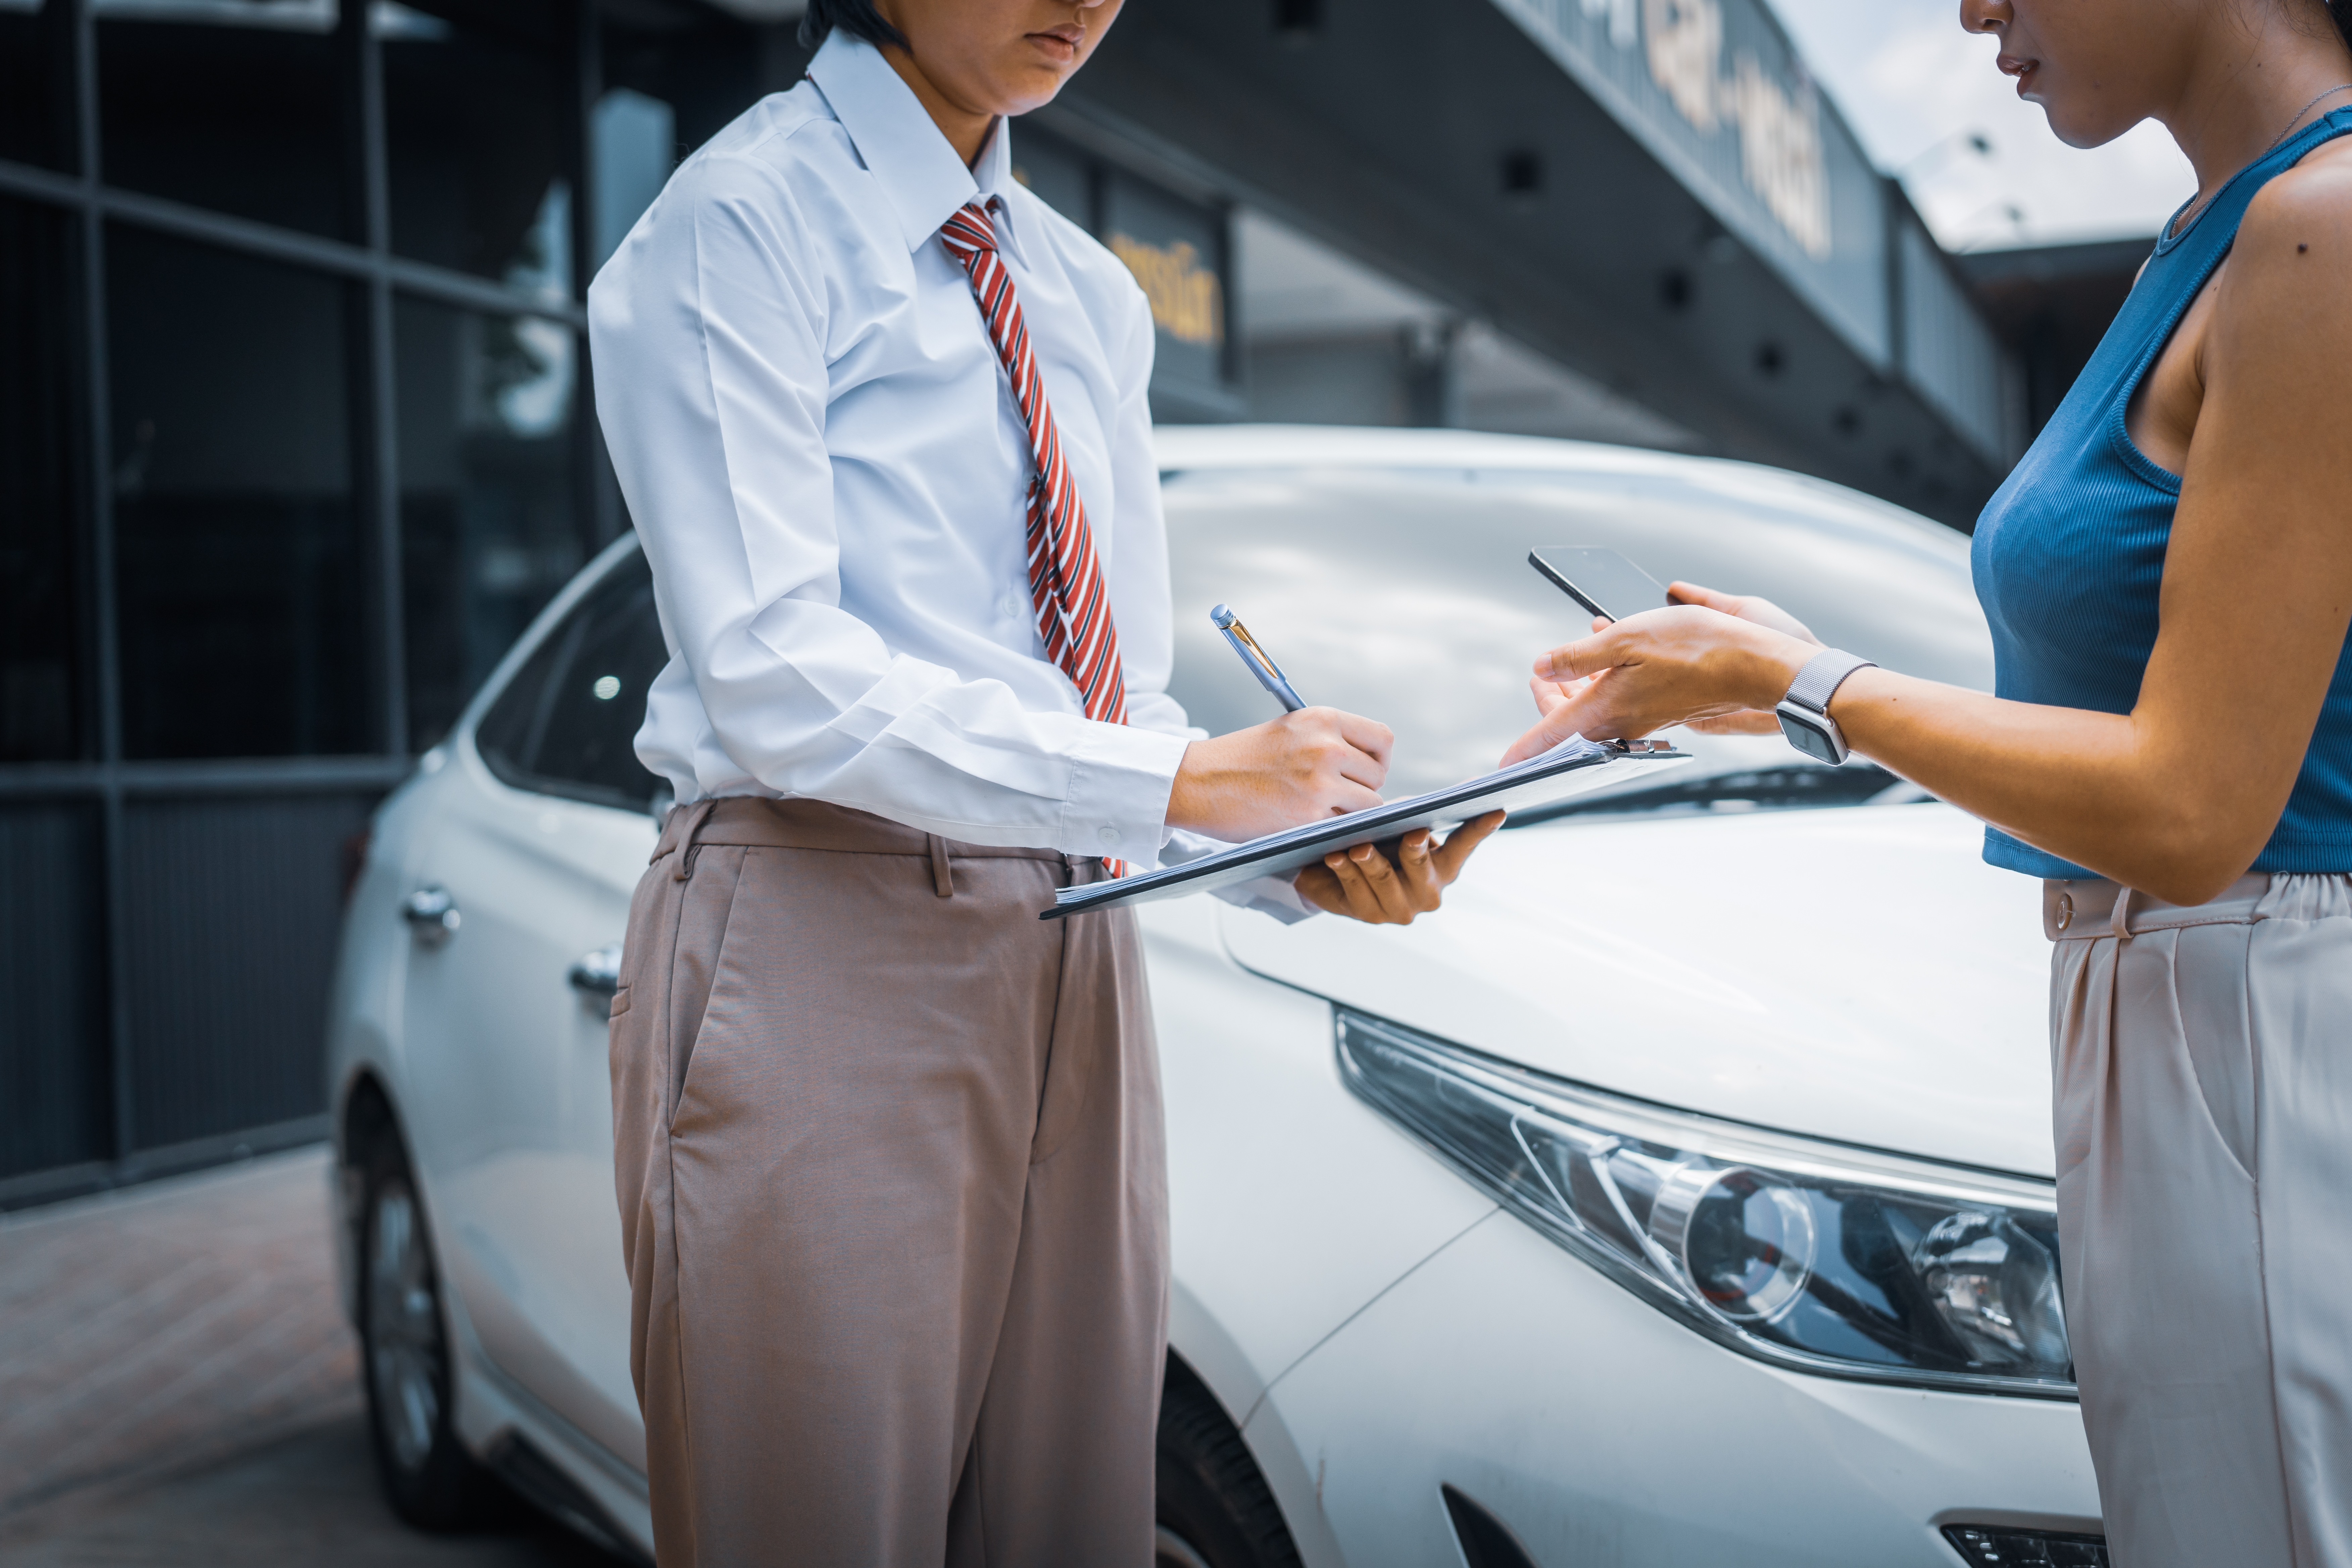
[(1576, 766)]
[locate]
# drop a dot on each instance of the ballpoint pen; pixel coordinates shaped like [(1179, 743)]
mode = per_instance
[(1269, 674)]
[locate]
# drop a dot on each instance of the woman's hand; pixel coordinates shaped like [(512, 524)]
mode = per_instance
[(1764, 613), (1717, 657), (1363, 884)]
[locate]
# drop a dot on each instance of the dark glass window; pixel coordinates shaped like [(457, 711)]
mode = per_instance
[(490, 527), (567, 724), (40, 698), (237, 556), (633, 146), (55, 1109), (231, 912), (36, 112), (473, 126), (1176, 249), (1056, 174), (244, 119), (706, 69)]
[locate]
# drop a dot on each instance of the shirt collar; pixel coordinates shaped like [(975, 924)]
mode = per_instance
[(919, 172)]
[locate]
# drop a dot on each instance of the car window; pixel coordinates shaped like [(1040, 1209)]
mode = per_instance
[(1406, 595), (567, 724)]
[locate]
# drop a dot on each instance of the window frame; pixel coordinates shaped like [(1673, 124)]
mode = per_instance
[(116, 788)]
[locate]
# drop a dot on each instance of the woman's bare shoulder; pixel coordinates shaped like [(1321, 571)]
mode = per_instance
[(2290, 270), (2305, 213)]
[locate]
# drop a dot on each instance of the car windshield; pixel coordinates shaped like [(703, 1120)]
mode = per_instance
[(1405, 594)]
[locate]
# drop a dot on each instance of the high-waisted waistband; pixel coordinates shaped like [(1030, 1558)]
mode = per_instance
[(764, 822), (2087, 908)]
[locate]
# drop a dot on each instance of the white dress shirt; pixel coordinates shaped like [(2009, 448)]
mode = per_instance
[(821, 453)]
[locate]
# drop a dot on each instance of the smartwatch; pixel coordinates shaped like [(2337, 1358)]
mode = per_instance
[(1805, 711)]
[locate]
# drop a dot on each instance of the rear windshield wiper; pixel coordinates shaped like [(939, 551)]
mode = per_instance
[(1795, 787)]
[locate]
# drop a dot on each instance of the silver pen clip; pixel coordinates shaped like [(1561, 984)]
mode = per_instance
[(1269, 674)]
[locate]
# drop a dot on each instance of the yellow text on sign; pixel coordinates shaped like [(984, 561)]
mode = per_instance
[(1187, 301)]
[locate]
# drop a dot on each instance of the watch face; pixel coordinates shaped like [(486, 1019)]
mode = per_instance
[(1809, 737)]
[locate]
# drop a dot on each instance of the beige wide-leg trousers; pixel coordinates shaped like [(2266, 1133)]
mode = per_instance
[(893, 1202), (2203, 1065)]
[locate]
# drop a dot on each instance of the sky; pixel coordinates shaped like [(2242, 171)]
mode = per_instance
[(1914, 87)]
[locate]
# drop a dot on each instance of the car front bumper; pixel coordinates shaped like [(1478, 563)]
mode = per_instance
[(1600, 1431)]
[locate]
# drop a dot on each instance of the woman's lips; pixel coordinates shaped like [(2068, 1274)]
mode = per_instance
[(2021, 69), (1060, 43)]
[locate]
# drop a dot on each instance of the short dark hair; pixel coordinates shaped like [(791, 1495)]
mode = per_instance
[(858, 18), (2342, 11)]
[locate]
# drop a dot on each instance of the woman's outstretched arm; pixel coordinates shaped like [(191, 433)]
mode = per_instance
[(2178, 796)]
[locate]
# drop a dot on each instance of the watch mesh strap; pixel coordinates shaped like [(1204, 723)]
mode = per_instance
[(1822, 675)]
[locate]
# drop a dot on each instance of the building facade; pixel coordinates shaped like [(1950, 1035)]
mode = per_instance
[(297, 432), (294, 439)]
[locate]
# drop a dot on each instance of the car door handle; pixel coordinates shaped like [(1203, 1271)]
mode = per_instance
[(432, 914), (597, 973)]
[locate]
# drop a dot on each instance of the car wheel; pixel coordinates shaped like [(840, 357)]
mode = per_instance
[(428, 1476), (1215, 1510)]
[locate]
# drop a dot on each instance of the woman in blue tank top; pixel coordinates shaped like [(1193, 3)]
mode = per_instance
[(2168, 578)]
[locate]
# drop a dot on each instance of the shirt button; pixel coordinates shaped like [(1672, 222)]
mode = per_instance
[(1009, 607), (2065, 912), (1110, 835)]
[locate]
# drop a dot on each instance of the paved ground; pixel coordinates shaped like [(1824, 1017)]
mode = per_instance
[(178, 1387)]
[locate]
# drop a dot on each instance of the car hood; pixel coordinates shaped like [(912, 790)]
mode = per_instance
[(1857, 974)]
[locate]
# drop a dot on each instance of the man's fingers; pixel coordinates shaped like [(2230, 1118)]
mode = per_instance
[(1388, 890), (1418, 869), (1356, 893), (1369, 736), (1321, 886), (1458, 845), (1366, 772), (1365, 884)]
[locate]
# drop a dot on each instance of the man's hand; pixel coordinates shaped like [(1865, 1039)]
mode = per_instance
[(1286, 772), (1363, 884)]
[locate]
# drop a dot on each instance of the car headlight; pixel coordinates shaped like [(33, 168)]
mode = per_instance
[(1832, 1259)]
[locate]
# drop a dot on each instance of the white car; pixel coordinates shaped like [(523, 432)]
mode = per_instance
[(1680, 1194)]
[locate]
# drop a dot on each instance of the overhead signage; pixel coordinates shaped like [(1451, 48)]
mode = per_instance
[(1178, 248), (1716, 92)]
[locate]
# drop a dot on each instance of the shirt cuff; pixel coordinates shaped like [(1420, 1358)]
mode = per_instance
[(1276, 896), (1121, 779)]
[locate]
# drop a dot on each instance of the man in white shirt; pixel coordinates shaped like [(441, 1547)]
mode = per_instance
[(888, 1146)]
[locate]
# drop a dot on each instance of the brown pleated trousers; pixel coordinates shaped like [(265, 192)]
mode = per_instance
[(893, 1199)]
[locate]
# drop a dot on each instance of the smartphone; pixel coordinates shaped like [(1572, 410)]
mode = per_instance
[(1602, 580)]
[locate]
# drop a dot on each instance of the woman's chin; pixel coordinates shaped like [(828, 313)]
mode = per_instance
[(2078, 128)]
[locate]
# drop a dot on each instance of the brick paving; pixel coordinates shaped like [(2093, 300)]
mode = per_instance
[(178, 1387)]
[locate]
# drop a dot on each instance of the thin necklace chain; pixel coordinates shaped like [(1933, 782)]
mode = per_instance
[(2195, 204)]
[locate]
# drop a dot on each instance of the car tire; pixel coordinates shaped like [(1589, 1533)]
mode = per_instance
[(428, 1474), (1215, 1510)]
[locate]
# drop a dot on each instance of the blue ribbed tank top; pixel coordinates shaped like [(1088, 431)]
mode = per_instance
[(2069, 554)]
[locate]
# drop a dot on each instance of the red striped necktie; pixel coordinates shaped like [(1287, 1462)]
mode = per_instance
[(1066, 580)]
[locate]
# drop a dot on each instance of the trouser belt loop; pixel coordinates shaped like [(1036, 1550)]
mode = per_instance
[(942, 878), (698, 814), (2121, 924)]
